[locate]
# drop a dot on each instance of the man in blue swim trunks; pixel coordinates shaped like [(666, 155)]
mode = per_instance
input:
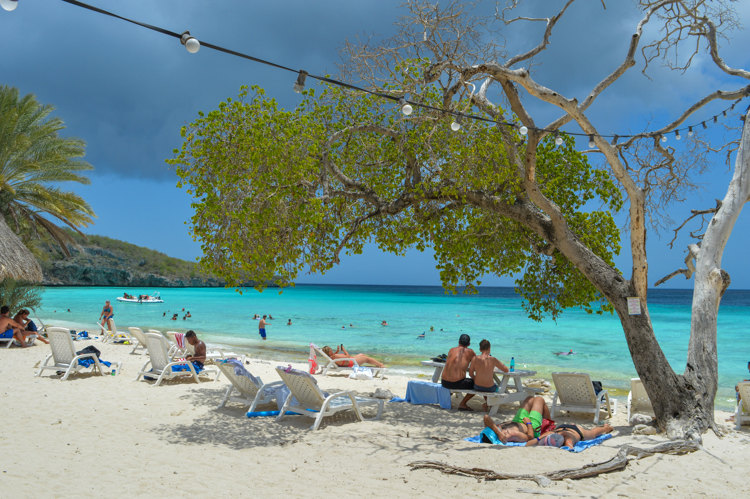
[(262, 327), (10, 328)]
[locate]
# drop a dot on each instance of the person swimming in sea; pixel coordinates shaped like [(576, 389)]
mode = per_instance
[(421, 336), (570, 352)]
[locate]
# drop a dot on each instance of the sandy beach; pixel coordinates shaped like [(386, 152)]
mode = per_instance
[(111, 435)]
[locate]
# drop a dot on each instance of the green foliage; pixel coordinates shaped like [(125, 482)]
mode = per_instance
[(34, 160), (279, 191), (18, 295)]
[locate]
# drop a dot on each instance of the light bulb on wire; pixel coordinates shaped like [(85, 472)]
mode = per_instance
[(405, 107), (299, 85), (558, 139), (677, 135), (592, 144), (690, 131), (191, 43), (523, 130), (663, 138), (456, 124), (9, 5)]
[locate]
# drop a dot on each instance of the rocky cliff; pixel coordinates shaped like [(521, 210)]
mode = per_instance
[(102, 261)]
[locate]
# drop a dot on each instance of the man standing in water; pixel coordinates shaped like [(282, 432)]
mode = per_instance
[(454, 372), (262, 327)]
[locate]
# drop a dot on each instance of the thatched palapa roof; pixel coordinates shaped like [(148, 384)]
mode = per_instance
[(16, 261)]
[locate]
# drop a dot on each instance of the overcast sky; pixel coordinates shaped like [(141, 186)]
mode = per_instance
[(127, 91)]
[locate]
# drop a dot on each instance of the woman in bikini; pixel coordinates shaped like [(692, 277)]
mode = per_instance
[(341, 353), (564, 435)]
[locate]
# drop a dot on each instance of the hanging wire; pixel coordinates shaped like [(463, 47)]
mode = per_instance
[(398, 99)]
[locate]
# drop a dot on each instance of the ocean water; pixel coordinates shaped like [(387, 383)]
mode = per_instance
[(352, 315)]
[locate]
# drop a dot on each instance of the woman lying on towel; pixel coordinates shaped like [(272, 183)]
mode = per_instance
[(533, 426), (341, 353)]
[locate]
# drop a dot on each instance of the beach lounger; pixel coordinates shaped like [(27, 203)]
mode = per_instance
[(327, 364), (575, 393), (179, 347), (64, 354), (307, 399), (161, 366), (139, 339), (742, 414), (251, 391), (638, 401), (111, 335), (9, 340)]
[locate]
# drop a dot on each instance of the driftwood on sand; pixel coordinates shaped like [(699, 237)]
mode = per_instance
[(616, 463)]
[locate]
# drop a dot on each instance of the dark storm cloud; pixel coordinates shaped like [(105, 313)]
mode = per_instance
[(127, 90)]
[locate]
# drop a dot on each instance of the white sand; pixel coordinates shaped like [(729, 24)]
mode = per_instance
[(112, 436)]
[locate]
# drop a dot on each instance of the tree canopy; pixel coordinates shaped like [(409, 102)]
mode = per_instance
[(279, 191)]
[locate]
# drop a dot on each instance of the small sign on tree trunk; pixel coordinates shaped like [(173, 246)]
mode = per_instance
[(634, 305)]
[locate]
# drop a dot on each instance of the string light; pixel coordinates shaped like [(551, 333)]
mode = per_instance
[(677, 135), (405, 106), (614, 139), (299, 85), (193, 45), (456, 124), (663, 138), (9, 5)]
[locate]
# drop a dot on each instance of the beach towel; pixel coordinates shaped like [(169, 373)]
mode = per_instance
[(89, 362), (240, 370), (424, 392), (313, 360), (179, 338), (184, 367), (489, 436)]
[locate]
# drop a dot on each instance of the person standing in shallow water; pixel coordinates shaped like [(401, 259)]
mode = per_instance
[(262, 327)]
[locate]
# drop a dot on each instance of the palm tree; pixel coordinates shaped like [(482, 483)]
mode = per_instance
[(34, 160)]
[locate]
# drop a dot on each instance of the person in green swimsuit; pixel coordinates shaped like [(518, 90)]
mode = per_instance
[(525, 427)]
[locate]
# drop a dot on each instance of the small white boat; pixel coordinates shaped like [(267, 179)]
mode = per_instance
[(154, 298)]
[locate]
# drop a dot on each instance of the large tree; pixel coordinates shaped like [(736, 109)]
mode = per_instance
[(277, 190), (34, 161)]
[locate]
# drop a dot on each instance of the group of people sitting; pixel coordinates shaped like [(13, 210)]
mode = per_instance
[(19, 327), (532, 424)]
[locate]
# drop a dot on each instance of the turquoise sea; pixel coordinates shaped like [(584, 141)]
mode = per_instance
[(352, 315)]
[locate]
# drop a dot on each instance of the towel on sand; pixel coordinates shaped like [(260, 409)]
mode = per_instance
[(579, 447)]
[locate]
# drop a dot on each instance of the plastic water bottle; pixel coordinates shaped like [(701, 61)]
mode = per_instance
[(512, 364), (113, 372)]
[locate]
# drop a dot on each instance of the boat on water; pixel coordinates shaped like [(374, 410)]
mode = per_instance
[(127, 298)]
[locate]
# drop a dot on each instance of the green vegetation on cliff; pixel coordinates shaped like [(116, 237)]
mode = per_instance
[(102, 261)]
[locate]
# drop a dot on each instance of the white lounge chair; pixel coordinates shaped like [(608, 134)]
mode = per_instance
[(175, 350), (575, 393), (327, 364), (306, 398), (111, 335), (64, 354), (250, 392), (742, 414), (139, 339), (162, 366), (638, 401)]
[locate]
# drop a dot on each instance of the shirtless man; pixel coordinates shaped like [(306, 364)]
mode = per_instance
[(7, 324), (262, 327), (482, 370), (454, 372), (29, 328), (199, 347)]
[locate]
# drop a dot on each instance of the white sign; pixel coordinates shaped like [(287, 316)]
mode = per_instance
[(634, 305)]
